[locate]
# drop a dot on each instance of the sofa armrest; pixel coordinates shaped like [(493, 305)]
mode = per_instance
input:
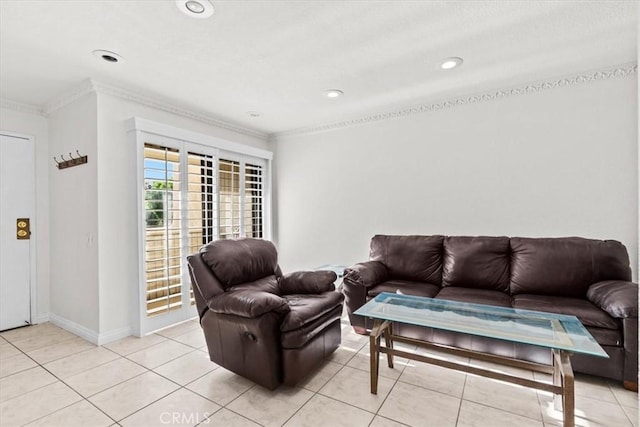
[(307, 282), (247, 303), (617, 297), (366, 274)]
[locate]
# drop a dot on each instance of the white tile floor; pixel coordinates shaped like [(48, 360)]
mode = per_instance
[(49, 377)]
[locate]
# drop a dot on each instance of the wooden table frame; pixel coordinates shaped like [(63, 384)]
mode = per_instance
[(562, 374)]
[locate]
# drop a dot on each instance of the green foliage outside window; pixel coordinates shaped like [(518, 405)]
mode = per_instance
[(155, 199)]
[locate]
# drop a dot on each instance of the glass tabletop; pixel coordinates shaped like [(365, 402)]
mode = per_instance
[(556, 331)]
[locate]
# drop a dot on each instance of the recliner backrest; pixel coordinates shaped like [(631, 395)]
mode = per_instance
[(239, 261)]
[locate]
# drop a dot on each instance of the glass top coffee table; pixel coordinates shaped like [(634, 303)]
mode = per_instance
[(563, 335)]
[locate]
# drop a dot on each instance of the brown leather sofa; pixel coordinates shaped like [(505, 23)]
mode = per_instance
[(589, 279), (261, 324)]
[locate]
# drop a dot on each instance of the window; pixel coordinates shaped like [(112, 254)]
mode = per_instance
[(229, 199), (241, 204), (202, 196), (192, 193), (254, 205), (162, 231)]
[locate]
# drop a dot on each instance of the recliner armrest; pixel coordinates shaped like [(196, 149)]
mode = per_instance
[(247, 303), (367, 273), (617, 297), (307, 282)]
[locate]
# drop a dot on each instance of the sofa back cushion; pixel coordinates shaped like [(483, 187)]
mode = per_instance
[(417, 258), (239, 261), (565, 266), (476, 262)]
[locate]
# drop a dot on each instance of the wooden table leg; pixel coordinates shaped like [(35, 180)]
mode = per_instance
[(374, 354), (557, 380), (388, 332), (563, 377), (568, 397)]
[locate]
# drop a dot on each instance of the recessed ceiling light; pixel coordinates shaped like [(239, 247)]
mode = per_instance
[(195, 8), (107, 55), (333, 93), (254, 114), (450, 63)]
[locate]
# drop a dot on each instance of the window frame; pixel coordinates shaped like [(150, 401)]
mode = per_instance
[(143, 131)]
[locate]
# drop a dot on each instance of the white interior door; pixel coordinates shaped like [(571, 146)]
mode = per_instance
[(16, 222)]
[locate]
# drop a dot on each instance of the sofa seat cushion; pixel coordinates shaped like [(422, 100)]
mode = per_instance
[(299, 337), (610, 337), (475, 296), (587, 313), (406, 287), (305, 308)]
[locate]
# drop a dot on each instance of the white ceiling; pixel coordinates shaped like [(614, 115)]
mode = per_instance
[(278, 57)]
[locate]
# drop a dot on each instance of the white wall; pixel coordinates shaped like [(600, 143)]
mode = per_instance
[(559, 162), (36, 126), (74, 235), (87, 215), (117, 203)]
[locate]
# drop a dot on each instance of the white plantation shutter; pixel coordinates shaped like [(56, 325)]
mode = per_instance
[(201, 203), (191, 199), (242, 202), (254, 200), (194, 189), (230, 200), (163, 261)]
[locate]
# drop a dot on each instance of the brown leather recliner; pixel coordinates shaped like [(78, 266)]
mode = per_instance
[(268, 327)]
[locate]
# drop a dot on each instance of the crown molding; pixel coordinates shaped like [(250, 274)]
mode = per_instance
[(527, 88), (91, 85), (21, 107), (68, 97)]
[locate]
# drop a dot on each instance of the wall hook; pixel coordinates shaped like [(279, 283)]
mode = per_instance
[(72, 161)]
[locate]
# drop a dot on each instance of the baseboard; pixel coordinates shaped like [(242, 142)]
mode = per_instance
[(113, 335), (86, 333), (75, 328), (41, 318)]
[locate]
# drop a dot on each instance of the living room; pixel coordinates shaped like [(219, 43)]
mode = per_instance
[(533, 134)]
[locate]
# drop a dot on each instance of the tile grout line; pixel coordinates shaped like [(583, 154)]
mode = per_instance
[(44, 346), (392, 387), (315, 393), (617, 400), (120, 356), (236, 398), (180, 386), (67, 385), (464, 385)]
